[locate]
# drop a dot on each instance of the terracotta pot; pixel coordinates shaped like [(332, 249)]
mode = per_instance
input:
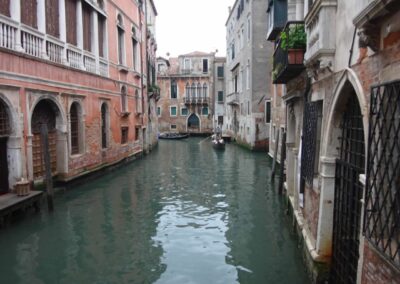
[(295, 56)]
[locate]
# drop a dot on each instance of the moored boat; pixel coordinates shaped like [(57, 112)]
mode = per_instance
[(173, 136), (218, 143)]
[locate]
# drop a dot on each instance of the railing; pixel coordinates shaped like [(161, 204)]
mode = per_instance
[(8, 33), (289, 53), (186, 71), (232, 99), (74, 58), (103, 66), (89, 62), (54, 50), (19, 37), (31, 43), (196, 100)]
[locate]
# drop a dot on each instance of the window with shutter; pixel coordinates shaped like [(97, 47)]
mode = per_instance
[(87, 31), (101, 29), (52, 18), (70, 10), (5, 7), (29, 13)]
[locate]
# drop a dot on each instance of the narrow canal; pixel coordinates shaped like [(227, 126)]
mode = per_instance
[(183, 214)]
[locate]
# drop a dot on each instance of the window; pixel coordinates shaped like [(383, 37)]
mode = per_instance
[(173, 126), (248, 76), (187, 90), (193, 90), (205, 65), (74, 128), (137, 133), (52, 18), (124, 135), (138, 101), (29, 13), (220, 120), (172, 111), (248, 108), (220, 96), (120, 34), (104, 126), (204, 111), (87, 31), (174, 89), (184, 111), (220, 71), (242, 38), (198, 90), (70, 14), (135, 50), (205, 90), (158, 111), (101, 31), (233, 51), (186, 64), (124, 99), (273, 133), (5, 7), (236, 83), (248, 29), (267, 111)]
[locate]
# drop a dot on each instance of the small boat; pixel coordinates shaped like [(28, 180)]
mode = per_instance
[(173, 136), (218, 144)]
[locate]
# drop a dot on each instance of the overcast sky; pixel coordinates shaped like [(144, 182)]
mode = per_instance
[(183, 26)]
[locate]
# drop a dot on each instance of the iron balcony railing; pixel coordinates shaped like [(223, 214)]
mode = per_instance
[(196, 100), (289, 53)]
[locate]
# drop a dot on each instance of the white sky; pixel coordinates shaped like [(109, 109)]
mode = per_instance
[(183, 26)]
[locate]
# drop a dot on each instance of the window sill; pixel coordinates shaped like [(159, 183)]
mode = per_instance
[(123, 68)]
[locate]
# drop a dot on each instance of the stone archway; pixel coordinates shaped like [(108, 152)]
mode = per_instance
[(47, 112), (193, 123), (5, 130)]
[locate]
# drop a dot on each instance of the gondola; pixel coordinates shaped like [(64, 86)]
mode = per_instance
[(218, 144), (173, 136)]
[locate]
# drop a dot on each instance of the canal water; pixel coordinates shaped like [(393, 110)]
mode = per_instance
[(186, 213)]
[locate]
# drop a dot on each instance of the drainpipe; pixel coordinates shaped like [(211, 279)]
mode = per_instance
[(141, 68)]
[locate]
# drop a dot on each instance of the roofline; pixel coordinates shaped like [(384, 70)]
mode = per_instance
[(230, 14)]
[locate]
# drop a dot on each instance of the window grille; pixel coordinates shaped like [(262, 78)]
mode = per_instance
[(308, 148), (4, 120), (382, 209), (74, 129)]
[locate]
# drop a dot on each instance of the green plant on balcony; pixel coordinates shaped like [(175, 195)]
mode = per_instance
[(293, 40), (277, 69), (154, 89)]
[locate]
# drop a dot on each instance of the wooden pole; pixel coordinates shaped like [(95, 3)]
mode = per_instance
[(275, 157), (46, 157), (283, 158)]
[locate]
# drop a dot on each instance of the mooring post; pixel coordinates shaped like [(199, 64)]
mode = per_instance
[(275, 156), (47, 164), (283, 158)]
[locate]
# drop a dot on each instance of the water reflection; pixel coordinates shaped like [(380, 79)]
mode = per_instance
[(184, 214)]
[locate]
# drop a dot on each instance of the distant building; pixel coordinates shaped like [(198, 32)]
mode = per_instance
[(248, 72), (220, 91), (187, 92), (75, 66)]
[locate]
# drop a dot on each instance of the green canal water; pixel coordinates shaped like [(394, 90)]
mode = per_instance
[(183, 214)]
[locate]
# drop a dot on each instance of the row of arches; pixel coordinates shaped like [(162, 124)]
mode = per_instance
[(196, 90), (66, 135)]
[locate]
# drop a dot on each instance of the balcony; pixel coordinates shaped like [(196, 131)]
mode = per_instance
[(196, 100), (232, 99), (320, 25), (277, 18), (289, 53)]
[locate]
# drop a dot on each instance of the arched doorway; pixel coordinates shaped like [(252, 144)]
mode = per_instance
[(193, 123), (45, 112), (4, 134), (348, 189)]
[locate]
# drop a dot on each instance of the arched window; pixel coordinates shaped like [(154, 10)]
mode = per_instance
[(187, 90), (193, 90), (4, 120), (74, 128), (205, 91), (124, 99), (199, 90), (104, 125), (120, 31)]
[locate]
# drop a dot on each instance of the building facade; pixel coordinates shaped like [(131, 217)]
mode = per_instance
[(248, 71), (187, 92), (75, 66), (339, 64)]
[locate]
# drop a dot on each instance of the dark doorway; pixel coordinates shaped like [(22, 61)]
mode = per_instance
[(3, 166), (44, 113), (193, 122), (348, 193)]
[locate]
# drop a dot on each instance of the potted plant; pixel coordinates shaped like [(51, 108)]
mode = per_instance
[(294, 40)]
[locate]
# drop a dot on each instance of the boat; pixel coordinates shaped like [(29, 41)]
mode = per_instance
[(173, 136), (218, 143)]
